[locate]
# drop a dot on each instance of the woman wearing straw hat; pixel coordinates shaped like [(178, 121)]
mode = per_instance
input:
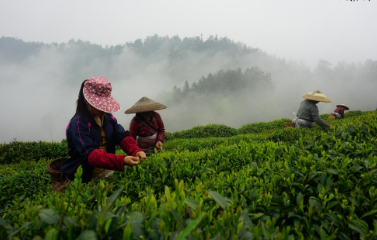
[(308, 112), (93, 132), (339, 111), (147, 127)]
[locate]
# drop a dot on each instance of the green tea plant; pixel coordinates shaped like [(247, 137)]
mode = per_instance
[(15, 151), (210, 130), (315, 185), (263, 126), (22, 180), (195, 144)]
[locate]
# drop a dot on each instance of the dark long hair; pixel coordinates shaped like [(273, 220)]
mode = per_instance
[(81, 105)]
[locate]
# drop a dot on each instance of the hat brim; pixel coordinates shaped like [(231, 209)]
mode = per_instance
[(317, 98), (105, 104), (345, 107), (145, 108)]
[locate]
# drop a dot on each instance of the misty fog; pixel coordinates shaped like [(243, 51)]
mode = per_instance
[(40, 87)]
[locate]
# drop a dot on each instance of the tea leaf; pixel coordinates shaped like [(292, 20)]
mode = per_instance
[(191, 226), (218, 199)]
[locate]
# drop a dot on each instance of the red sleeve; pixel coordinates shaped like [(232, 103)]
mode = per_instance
[(134, 128), (161, 129), (130, 146), (342, 112), (102, 159)]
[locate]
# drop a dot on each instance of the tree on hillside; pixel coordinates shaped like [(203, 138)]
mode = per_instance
[(14, 49), (324, 70), (186, 89), (224, 83)]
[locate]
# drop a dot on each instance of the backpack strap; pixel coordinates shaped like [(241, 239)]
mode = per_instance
[(305, 110), (146, 125)]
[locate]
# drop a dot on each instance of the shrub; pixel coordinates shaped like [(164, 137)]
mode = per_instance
[(14, 152), (210, 130), (263, 126)]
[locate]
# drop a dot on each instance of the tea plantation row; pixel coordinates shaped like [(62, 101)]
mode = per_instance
[(314, 185), (14, 152)]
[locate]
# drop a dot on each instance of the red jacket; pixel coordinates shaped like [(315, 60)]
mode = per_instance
[(139, 129), (340, 110)]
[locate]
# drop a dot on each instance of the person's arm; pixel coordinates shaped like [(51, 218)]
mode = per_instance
[(102, 159), (129, 146), (161, 129), (342, 112), (315, 115), (123, 138), (134, 128), (118, 131), (89, 150)]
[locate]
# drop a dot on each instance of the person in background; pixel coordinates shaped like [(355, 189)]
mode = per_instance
[(93, 132), (339, 111), (147, 127), (308, 112)]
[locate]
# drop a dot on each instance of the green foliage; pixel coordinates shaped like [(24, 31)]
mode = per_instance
[(316, 185), (220, 130), (354, 113), (14, 152), (347, 114), (214, 130), (195, 144), (22, 180), (263, 126), (210, 130), (325, 116)]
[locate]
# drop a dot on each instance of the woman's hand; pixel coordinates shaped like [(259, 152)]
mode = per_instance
[(158, 145), (130, 161), (141, 155)]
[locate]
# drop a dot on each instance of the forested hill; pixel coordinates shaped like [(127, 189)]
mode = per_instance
[(183, 59), (170, 60), (175, 47), (225, 83)]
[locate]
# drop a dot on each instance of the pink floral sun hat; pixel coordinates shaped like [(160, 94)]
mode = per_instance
[(97, 91)]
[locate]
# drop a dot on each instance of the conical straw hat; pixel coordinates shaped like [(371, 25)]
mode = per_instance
[(145, 105), (343, 105), (317, 96)]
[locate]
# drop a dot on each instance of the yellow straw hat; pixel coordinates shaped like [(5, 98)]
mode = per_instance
[(343, 105), (145, 105), (317, 96)]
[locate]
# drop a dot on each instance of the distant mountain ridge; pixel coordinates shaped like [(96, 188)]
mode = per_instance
[(176, 47)]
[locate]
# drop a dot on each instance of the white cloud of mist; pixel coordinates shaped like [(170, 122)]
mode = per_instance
[(39, 93)]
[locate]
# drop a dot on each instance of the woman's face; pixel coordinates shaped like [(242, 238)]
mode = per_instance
[(94, 111), (146, 114)]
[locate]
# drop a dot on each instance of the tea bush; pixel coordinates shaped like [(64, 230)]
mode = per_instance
[(263, 126), (210, 130), (195, 144), (14, 152), (23, 179), (317, 185)]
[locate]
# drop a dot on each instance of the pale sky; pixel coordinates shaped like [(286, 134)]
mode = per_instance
[(300, 30)]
